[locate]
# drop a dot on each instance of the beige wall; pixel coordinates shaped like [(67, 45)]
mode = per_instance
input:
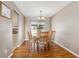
[(6, 39), (27, 28), (67, 27)]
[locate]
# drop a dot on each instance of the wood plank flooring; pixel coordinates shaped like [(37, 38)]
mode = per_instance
[(55, 52)]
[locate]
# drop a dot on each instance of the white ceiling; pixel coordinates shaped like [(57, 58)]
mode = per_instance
[(49, 8)]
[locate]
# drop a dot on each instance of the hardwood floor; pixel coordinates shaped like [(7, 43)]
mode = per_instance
[(55, 52)]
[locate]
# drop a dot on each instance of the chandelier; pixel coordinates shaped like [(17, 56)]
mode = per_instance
[(41, 17)]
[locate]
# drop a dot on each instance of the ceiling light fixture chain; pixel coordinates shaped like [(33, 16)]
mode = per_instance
[(41, 17)]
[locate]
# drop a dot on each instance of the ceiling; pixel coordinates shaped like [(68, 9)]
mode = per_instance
[(49, 8)]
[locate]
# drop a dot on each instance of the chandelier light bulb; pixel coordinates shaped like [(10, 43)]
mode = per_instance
[(41, 17)]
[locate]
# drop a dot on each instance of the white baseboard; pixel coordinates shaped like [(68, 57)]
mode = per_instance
[(15, 48), (10, 55), (20, 43), (67, 49)]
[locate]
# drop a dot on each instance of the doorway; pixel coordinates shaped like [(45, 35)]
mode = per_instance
[(15, 20)]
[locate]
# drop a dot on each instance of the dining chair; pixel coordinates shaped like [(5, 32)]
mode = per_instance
[(51, 37), (31, 43), (46, 39), (43, 42)]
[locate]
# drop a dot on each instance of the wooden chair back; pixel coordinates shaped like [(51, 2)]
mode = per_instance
[(30, 36)]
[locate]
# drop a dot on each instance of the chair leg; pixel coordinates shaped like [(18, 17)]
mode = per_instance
[(37, 47), (34, 46), (29, 46)]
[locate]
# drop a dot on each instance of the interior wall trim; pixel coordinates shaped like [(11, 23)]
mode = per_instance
[(20, 43), (67, 49), (10, 55), (15, 48)]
